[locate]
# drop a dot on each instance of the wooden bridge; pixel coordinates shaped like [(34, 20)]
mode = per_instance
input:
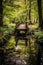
[(22, 32)]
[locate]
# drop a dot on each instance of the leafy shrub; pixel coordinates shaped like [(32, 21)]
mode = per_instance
[(39, 37), (40, 40)]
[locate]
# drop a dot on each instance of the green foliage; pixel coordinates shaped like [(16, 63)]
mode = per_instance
[(39, 38), (18, 10), (39, 33)]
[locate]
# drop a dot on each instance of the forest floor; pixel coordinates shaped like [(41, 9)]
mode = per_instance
[(16, 59), (18, 55)]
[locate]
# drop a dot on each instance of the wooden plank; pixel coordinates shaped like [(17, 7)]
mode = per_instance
[(22, 26)]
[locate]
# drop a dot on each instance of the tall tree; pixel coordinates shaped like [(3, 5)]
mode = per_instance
[(30, 11), (1, 13), (40, 14)]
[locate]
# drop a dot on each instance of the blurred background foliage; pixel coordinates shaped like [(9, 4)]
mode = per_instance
[(17, 11)]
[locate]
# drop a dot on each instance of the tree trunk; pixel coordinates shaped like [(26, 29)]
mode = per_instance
[(1, 13), (39, 57), (30, 11), (40, 14)]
